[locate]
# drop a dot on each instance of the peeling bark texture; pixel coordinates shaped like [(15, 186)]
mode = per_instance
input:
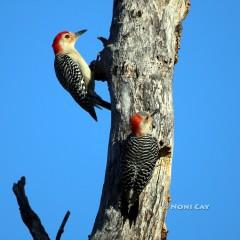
[(138, 61)]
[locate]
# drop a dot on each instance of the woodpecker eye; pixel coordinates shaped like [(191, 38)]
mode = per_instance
[(67, 36)]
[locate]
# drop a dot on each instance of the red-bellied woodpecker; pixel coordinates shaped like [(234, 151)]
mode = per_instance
[(140, 153), (74, 73)]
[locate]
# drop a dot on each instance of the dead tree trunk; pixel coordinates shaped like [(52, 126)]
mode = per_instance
[(138, 61)]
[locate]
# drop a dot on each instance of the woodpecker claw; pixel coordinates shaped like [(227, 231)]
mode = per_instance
[(165, 151)]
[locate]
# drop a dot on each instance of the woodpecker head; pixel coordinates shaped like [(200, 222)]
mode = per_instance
[(65, 41), (141, 123)]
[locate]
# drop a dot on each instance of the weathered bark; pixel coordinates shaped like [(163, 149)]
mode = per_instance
[(138, 61)]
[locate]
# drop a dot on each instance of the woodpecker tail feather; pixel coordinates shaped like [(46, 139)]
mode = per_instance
[(87, 105), (133, 213), (129, 208), (101, 103), (92, 112), (89, 102), (90, 109), (124, 207)]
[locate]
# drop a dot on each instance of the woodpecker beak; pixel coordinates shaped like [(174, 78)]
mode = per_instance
[(79, 33), (154, 112)]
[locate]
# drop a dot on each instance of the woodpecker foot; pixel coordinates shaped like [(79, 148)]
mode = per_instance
[(165, 151)]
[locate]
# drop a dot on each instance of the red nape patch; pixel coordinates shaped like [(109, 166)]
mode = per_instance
[(56, 46), (135, 121)]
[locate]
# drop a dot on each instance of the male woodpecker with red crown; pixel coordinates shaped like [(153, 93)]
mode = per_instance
[(74, 73)]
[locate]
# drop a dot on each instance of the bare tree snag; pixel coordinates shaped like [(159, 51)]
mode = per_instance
[(30, 218), (61, 228), (138, 61)]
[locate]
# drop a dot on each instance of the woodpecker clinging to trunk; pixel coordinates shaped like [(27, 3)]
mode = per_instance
[(74, 73), (140, 153)]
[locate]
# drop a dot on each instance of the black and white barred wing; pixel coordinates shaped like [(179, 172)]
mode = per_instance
[(138, 162), (128, 163), (148, 155), (70, 76)]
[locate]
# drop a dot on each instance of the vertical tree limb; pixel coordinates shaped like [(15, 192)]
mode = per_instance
[(138, 61)]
